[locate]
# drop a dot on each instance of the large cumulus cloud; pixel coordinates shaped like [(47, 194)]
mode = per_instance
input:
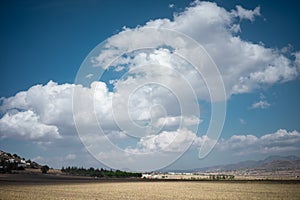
[(44, 112)]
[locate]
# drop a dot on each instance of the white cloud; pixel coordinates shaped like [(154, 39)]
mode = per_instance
[(238, 141), (263, 104), (244, 66), (176, 121), (32, 125), (280, 141), (45, 111), (297, 59), (171, 5), (28, 125), (71, 156), (246, 14), (50, 102), (273, 74), (262, 96), (166, 141), (287, 49)]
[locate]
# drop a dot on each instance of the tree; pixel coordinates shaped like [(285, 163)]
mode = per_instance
[(44, 169)]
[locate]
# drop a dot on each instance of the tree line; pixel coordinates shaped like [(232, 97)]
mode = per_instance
[(221, 177), (99, 172)]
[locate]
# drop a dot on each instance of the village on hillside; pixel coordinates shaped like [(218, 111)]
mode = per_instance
[(10, 162)]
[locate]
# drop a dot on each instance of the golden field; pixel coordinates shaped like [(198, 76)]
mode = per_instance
[(151, 190)]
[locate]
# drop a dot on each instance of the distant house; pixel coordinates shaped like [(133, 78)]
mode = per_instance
[(146, 176), (22, 165)]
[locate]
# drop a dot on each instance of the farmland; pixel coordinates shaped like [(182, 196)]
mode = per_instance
[(141, 189)]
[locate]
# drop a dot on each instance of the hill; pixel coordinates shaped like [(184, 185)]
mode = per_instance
[(9, 162)]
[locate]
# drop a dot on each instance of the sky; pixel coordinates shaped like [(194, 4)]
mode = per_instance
[(149, 85)]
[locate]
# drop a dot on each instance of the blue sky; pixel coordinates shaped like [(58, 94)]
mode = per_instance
[(43, 41)]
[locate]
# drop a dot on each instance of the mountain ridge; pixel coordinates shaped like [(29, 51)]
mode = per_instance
[(269, 163)]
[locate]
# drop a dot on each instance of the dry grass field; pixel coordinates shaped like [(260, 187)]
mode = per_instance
[(151, 190)]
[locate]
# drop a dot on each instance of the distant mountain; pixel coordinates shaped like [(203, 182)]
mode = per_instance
[(287, 158), (268, 164), (280, 165)]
